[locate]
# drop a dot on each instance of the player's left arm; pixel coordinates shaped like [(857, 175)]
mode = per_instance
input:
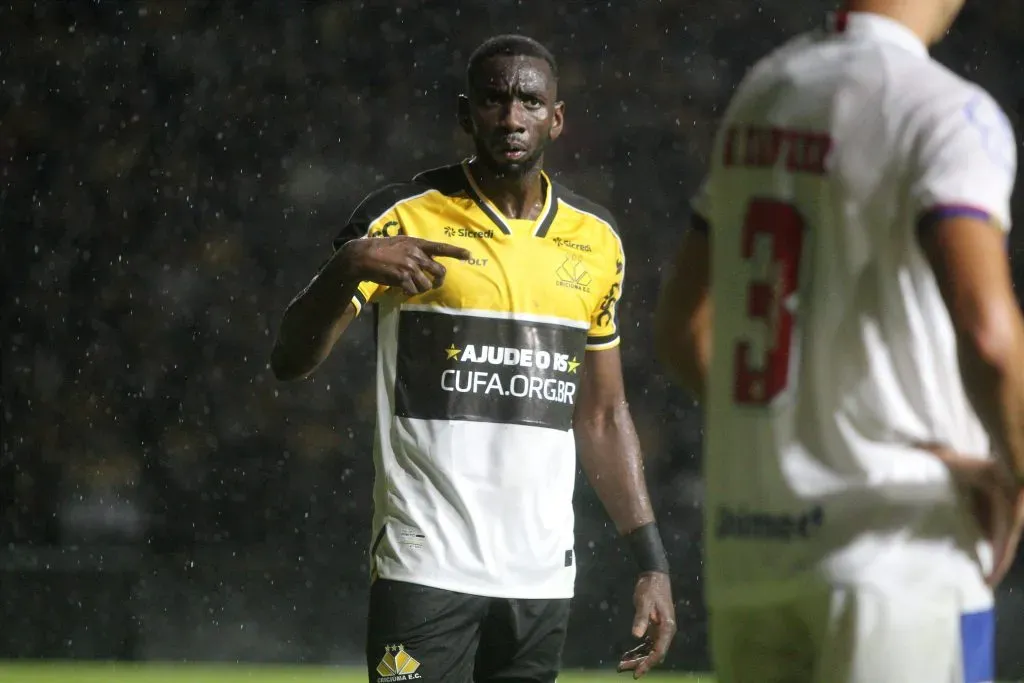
[(606, 439), (963, 173), (682, 319), (608, 446), (609, 452)]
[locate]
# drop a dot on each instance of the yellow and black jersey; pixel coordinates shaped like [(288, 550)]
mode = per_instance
[(477, 383)]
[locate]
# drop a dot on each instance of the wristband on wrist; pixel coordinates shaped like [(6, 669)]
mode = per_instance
[(647, 549)]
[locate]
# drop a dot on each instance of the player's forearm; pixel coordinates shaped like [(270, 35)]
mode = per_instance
[(313, 322), (683, 315), (687, 369), (609, 452), (994, 380), (685, 355)]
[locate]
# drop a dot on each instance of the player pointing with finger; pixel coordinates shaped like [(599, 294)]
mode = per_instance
[(496, 293), (845, 311)]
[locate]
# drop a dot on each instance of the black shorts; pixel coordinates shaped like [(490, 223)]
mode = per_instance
[(428, 635)]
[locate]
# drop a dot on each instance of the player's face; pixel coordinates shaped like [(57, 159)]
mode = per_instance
[(512, 113)]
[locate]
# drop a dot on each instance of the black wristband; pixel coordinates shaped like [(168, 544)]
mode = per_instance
[(647, 548)]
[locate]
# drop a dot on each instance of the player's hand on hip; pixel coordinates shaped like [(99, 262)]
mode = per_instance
[(408, 263), (655, 623), (998, 501)]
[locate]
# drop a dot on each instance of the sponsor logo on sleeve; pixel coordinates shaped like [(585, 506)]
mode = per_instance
[(994, 129)]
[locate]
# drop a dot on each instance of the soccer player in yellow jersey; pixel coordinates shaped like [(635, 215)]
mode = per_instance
[(496, 293)]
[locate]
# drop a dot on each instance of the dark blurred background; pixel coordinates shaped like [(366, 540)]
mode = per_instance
[(172, 174)]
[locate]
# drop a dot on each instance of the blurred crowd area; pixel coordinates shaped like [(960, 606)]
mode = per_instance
[(173, 173)]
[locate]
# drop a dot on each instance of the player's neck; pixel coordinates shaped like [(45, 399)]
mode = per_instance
[(914, 15), (516, 196)]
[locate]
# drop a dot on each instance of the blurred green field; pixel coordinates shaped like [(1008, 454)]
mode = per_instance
[(83, 672)]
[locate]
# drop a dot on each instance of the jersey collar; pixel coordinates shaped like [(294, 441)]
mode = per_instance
[(876, 28), (540, 226)]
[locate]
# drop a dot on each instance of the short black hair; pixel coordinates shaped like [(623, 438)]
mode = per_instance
[(510, 45)]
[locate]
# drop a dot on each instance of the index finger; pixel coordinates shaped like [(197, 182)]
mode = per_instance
[(630, 659), (444, 249)]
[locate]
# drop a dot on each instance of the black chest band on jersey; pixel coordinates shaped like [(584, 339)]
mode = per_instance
[(647, 549)]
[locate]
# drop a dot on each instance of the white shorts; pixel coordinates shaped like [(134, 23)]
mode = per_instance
[(854, 635)]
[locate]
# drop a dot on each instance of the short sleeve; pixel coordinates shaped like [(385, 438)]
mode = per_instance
[(604, 323), (376, 216), (965, 164)]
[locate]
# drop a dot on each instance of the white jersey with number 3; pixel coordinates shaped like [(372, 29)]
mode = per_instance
[(833, 352)]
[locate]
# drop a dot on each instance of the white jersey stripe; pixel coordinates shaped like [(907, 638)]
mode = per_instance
[(497, 315)]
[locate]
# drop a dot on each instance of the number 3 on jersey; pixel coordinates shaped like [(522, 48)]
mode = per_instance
[(772, 243)]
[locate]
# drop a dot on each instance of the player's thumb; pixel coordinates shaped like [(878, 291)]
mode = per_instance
[(966, 468), (641, 621), (1007, 527), (442, 249), (1004, 546)]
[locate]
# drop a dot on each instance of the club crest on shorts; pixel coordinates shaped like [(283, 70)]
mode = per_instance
[(397, 665)]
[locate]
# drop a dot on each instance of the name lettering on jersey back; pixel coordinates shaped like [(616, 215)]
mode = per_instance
[(505, 371), (760, 525), (759, 147)]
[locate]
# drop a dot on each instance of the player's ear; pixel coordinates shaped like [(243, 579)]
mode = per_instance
[(465, 118), (557, 120)]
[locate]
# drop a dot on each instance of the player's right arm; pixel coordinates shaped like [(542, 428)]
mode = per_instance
[(370, 253), (683, 314), (964, 175)]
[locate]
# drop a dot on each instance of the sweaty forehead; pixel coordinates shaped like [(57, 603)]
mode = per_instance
[(508, 72)]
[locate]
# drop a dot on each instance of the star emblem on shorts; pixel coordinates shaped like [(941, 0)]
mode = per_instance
[(452, 352), (573, 364)]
